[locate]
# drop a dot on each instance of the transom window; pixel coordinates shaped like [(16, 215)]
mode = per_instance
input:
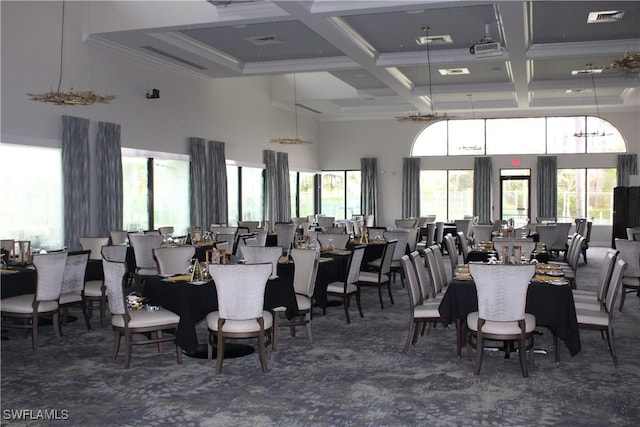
[(540, 135)]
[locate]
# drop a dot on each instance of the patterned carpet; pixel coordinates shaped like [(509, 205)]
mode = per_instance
[(352, 375)]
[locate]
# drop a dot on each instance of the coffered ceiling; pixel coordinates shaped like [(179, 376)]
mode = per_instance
[(361, 59)]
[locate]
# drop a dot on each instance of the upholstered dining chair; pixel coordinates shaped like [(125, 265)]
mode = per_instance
[(420, 313), (349, 286), (427, 288), (464, 246), (305, 262), (435, 275), (118, 237), (94, 245), (502, 296), (381, 277), (174, 260), (406, 222), (402, 237), (546, 234), (452, 250), (73, 285), (630, 252), (595, 299), (143, 245), (286, 233), (602, 319), (251, 225), (263, 254), (482, 233), (30, 307), (127, 321), (240, 289), (338, 241), (325, 221)]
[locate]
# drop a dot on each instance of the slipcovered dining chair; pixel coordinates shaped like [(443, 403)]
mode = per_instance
[(406, 222), (118, 237), (602, 319), (251, 225), (240, 289), (286, 233), (166, 230), (263, 254), (464, 246), (325, 221), (464, 225), (127, 321), (502, 296), (439, 237), (547, 234), (305, 270), (143, 245), (437, 275), (482, 233), (174, 260), (30, 307), (94, 245), (630, 253), (71, 293), (338, 241), (382, 276), (349, 286), (562, 234), (335, 230)]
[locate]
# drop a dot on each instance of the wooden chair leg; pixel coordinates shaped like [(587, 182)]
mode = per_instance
[(85, 314), (34, 331), (276, 323), (56, 325), (345, 303), (117, 336), (179, 354), (479, 352), (412, 326), (127, 350), (359, 304), (159, 336), (263, 351), (220, 354), (308, 320)]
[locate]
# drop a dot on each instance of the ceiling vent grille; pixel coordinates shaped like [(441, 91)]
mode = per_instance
[(264, 40), (173, 57), (434, 40), (605, 16)]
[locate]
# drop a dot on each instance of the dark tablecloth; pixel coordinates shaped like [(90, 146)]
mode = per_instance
[(194, 302), (552, 305), (21, 281)]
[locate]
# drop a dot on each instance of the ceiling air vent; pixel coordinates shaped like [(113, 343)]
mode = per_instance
[(173, 57), (434, 40), (264, 40), (605, 16)]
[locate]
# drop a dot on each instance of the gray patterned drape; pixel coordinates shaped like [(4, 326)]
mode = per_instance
[(482, 174), (198, 180), (410, 187), (109, 170), (270, 199), (547, 188), (369, 186), (283, 191), (627, 166), (217, 169), (75, 179)]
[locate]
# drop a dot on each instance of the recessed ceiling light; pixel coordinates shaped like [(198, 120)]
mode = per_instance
[(453, 71), (586, 71), (423, 40), (605, 16)]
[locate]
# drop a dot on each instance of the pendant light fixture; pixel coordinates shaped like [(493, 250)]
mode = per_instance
[(70, 97), (289, 140)]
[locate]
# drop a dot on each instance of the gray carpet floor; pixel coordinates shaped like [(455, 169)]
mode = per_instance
[(351, 375)]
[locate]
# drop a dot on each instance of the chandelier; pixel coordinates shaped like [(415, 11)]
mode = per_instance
[(290, 140), (425, 117), (70, 97), (581, 133), (629, 63)]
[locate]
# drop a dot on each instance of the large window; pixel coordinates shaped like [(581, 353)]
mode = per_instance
[(574, 134), (340, 193), (32, 193), (155, 191), (244, 194), (303, 194), (586, 193), (448, 194)]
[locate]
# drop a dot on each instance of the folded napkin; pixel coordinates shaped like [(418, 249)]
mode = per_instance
[(3, 271), (180, 278), (463, 276), (325, 259), (338, 252), (283, 260)]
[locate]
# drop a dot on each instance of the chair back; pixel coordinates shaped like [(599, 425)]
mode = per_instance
[(286, 233), (226, 237), (502, 290), (402, 238), (562, 233), (334, 230), (428, 219), (50, 271), (606, 269), (325, 221), (482, 233), (545, 219), (464, 225), (223, 230), (115, 268), (174, 260), (546, 234), (581, 226), (426, 287), (261, 236), (166, 231), (369, 220), (412, 241), (74, 272), (498, 223), (118, 237), (573, 253), (464, 245), (152, 232), (251, 225), (415, 295), (94, 245), (263, 254), (353, 266), (387, 256), (614, 285), (305, 262), (406, 222), (439, 232), (442, 271), (633, 233), (630, 253), (143, 245), (339, 241), (434, 274), (452, 250), (240, 289), (431, 233)]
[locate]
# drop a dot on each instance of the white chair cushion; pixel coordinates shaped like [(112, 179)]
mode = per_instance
[(501, 328), (426, 311), (371, 277), (304, 302), (92, 288), (279, 309), (584, 292), (143, 318), (592, 317), (338, 288), (70, 297), (631, 281), (239, 326), (588, 305), (375, 263), (590, 297), (147, 272), (24, 304)]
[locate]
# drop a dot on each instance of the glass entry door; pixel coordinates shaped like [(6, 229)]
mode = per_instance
[(515, 195)]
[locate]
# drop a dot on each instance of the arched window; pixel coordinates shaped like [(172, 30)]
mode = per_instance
[(541, 135)]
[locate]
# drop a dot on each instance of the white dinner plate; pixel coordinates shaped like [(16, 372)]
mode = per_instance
[(557, 282), (198, 282), (165, 275)]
